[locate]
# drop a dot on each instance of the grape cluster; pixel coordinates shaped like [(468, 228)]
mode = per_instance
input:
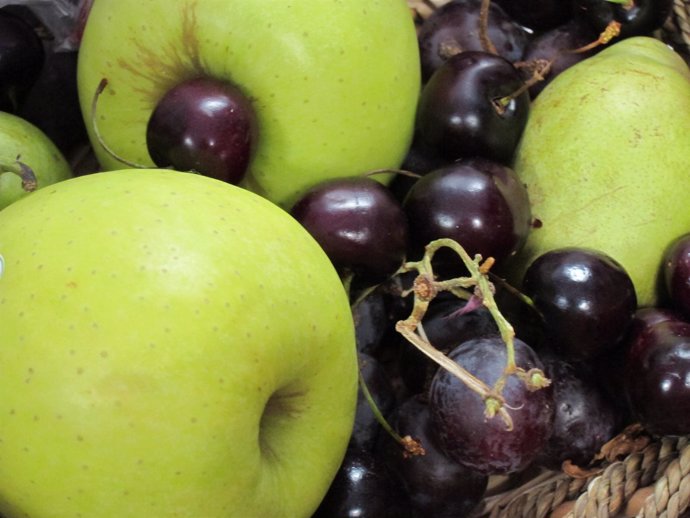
[(569, 360)]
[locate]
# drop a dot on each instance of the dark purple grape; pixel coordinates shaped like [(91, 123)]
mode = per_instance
[(359, 224), (556, 45), (657, 378), (478, 203), (473, 106), (637, 17), (584, 418), (458, 413), (203, 125), (364, 488), (445, 326), (436, 485), (454, 28), (538, 15), (586, 298), (21, 59), (367, 428), (676, 273)]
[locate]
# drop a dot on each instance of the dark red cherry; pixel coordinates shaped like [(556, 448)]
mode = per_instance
[(538, 15), (358, 222), (637, 17), (676, 273), (454, 28), (473, 106), (586, 298), (657, 380), (203, 125)]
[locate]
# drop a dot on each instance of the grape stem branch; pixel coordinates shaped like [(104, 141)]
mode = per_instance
[(477, 284)]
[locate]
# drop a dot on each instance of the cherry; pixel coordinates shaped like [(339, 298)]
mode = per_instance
[(455, 27), (587, 300), (676, 273), (203, 125), (657, 377), (538, 15), (359, 224), (637, 17), (478, 203), (475, 104)]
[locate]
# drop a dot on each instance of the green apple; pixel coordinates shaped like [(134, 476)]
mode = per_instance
[(604, 156), (171, 345), (22, 143), (334, 83)]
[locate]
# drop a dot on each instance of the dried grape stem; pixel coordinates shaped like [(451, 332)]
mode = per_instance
[(426, 288)]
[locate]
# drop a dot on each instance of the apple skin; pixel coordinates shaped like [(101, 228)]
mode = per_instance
[(604, 157), (334, 83), (148, 319), (19, 137)]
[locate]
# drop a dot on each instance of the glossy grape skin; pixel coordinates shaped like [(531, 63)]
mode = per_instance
[(458, 413), (643, 18), (584, 418), (203, 125), (538, 15), (556, 44), (657, 380), (478, 203), (21, 59), (587, 300), (436, 485), (676, 274), (364, 488), (359, 224), (458, 116), (454, 27)]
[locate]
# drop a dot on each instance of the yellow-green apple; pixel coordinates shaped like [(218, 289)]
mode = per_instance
[(605, 159), (22, 146), (172, 345), (334, 83)]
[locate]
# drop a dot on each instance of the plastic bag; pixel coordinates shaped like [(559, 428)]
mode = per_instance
[(64, 19)]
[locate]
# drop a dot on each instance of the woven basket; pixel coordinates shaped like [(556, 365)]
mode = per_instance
[(651, 482)]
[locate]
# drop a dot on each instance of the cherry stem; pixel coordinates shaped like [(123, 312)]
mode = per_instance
[(541, 69), (612, 30), (425, 288), (486, 42), (410, 445), (23, 171), (94, 105)]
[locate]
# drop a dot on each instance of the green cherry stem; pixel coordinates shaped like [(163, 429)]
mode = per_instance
[(23, 171)]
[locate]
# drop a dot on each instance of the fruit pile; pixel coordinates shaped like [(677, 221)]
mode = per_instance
[(500, 187)]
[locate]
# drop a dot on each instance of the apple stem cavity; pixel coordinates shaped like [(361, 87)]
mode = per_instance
[(94, 105), (27, 175), (476, 287)]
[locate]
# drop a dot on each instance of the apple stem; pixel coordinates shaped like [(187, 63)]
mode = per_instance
[(94, 105), (486, 42), (27, 175), (476, 286)]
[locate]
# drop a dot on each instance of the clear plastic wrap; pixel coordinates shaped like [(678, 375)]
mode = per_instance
[(64, 19)]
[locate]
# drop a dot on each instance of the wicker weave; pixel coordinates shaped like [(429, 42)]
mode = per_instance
[(651, 483)]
